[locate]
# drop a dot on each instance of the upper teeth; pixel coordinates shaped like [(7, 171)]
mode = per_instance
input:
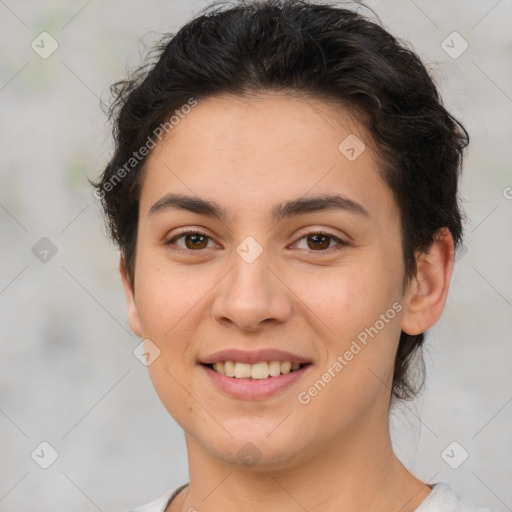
[(256, 371)]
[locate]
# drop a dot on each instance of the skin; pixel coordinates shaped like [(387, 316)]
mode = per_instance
[(249, 154)]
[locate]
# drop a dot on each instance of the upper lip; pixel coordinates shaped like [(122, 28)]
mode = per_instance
[(253, 356)]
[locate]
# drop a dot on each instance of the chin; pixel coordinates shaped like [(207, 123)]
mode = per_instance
[(256, 450)]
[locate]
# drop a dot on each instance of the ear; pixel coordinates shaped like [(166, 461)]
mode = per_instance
[(133, 314), (427, 291)]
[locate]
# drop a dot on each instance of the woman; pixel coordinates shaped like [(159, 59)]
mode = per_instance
[(284, 195)]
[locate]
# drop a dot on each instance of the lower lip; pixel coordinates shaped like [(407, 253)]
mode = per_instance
[(254, 389)]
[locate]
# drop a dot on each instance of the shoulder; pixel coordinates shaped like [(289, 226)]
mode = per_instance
[(443, 499), (161, 503)]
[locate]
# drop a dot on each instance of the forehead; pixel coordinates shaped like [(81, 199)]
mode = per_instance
[(266, 119), (263, 149)]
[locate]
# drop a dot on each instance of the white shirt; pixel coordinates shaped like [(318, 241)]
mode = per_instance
[(440, 499)]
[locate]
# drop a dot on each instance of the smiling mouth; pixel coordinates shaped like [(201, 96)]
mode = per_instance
[(257, 371)]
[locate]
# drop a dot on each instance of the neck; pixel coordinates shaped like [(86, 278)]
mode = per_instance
[(357, 471)]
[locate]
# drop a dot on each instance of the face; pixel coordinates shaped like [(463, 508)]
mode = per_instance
[(272, 274)]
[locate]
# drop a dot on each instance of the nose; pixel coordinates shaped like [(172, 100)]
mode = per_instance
[(252, 296)]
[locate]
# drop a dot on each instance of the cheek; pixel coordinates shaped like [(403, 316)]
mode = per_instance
[(168, 384), (356, 312), (344, 299), (165, 295)]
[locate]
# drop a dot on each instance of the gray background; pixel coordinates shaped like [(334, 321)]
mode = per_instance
[(68, 375)]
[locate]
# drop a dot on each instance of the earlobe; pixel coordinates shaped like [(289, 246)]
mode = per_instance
[(427, 292), (133, 314)]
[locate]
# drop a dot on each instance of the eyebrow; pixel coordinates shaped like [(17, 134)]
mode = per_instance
[(278, 212)]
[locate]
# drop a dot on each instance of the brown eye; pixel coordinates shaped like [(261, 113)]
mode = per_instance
[(197, 241), (321, 242), (192, 241)]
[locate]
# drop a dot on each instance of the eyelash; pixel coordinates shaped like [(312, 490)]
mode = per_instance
[(168, 243)]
